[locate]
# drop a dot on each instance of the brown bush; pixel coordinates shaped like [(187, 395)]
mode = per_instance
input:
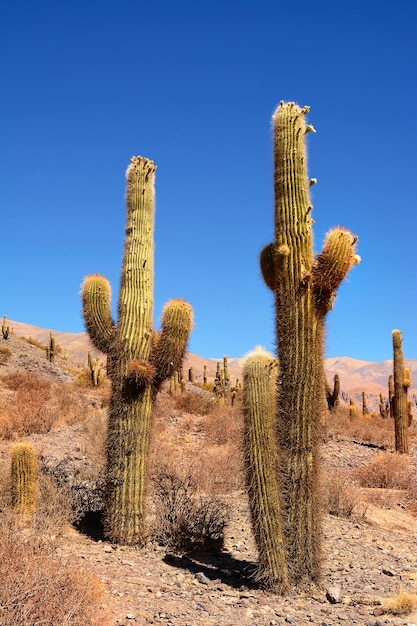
[(340, 497), (38, 586), (196, 403), (388, 470), (370, 429), (401, 604), (184, 520), (5, 354), (37, 404)]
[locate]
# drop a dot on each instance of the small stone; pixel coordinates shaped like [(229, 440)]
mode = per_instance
[(378, 611), (334, 594), (202, 578)]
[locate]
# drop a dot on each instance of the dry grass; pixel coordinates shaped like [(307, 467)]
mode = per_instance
[(36, 405), (387, 470), (401, 604), (340, 497), (38, 586), (206, 446), (370, 429)]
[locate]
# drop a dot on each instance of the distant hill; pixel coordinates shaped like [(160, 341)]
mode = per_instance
[(355, 375)]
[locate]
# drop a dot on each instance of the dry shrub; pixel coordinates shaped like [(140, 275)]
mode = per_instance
[(184, 520), (196, 403), (387, 470), (5, 354), (40, 587), (372, 429), (37, 404), (401, 604), (340, 497)]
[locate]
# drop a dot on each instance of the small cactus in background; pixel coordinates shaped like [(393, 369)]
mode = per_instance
[(24, 475), (353, 412), (304, 288), (205, 375), (191, 375), (261, 454), (140, 358), (96, 370), (401, 407), (5, 329), (365, 410), (383, 407), (332, 396), (50, 349)]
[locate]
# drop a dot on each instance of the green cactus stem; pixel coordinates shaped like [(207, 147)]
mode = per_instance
[(140, 359), (400, 405), (5, 329), (304, 289), (261, 452), (24, 477), (332, 396)]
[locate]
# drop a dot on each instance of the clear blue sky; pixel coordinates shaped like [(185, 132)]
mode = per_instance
[(192, 85)]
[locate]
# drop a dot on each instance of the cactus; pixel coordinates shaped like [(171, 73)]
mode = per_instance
[(332, 397), (191, 374), (5, 329), (383, 407), (205, 375), (304, 289), (96, 370), (259, 404), (50, 349), (140, 358), (365, 410), (401, 408), (353, 412), (24, 474)]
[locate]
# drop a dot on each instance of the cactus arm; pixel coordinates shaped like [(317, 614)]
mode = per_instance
[(259, 400), (169, 349), (95, 294)]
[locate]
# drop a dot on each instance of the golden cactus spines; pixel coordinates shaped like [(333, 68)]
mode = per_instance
[(140, 359), (400, 404), (304, 287), (261, 453), (24, 477)]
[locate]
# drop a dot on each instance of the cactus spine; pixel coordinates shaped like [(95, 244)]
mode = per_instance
[(259, 403), (400, 406), (24, 474), (304, 289), (140, 358)]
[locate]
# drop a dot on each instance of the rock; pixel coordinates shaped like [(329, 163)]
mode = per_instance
[(334, 594), (202, 578)]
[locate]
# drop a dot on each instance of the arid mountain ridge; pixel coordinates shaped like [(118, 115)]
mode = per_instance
[(355, 375)]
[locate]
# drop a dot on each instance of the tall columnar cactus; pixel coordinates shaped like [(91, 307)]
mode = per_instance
[(401, 407), (332, 396), (140, 358), (259, 409), (304, 289), (50, 348), (24, 476), (365, 410)]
